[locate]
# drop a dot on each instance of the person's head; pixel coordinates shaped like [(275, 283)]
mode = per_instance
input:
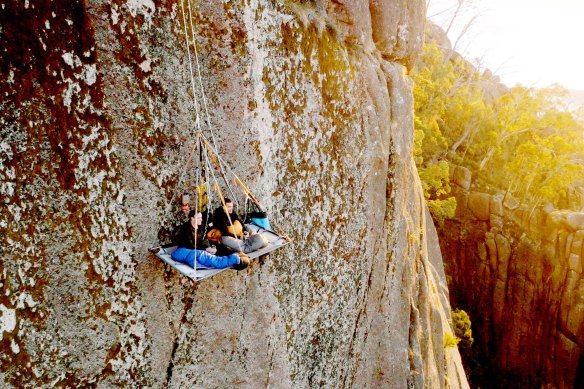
[(228, 205), (196, 218)]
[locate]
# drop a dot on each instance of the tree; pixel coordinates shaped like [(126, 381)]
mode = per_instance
[(461, 326), (450, 16), (542, 170), (436, 185), (521, 140)]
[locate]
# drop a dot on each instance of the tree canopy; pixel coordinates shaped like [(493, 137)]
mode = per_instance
[(519, 140)]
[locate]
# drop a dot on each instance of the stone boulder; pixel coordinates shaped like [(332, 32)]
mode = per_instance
[(437, 34), (510, 202), (479, 205), (572, 221), (461, 203), (393, 38), (496, 205), (460, 176), (575, 220)]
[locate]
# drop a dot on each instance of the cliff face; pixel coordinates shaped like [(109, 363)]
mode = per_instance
[(312, 106), (518, 272)]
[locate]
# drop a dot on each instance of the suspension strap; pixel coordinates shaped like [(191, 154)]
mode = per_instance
[(221, 197), (248, 193), (225, 210), (188, 44), (197, 123), (203, 94), (209, 151), (216, 161)]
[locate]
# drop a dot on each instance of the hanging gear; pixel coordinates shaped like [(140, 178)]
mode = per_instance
[(210, 168)]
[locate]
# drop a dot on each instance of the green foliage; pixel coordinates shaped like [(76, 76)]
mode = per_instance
[(435, 179), (461, 325), (442, 209), (436, 185), (431, 84), (450, 340), (520, 140), (542, 169)]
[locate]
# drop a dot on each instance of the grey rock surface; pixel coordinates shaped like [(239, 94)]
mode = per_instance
[(311, 104)]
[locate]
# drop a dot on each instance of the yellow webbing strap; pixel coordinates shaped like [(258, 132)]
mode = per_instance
[(223, 204), (211, 154)]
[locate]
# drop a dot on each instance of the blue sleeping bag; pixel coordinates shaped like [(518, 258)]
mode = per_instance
[(203, 258)]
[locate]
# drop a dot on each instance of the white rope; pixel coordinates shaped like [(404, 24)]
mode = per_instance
[(221, 198), (180, 179), (223, 167), (203, 94), (222, 163), (198, 195), (196, 103), (197, 124)]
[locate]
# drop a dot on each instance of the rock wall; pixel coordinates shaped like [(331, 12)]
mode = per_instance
[(311, 104), (518, 272)]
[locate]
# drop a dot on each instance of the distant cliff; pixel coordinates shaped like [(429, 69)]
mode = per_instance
[(519, 274), (310, 103)]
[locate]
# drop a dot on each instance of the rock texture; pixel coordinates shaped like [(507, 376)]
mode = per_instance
[(518, 272), (310, 102)]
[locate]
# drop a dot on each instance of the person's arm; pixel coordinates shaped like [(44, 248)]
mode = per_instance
[(183, 239), (207, 247), (202, 243), (222, 222), (223, 228)]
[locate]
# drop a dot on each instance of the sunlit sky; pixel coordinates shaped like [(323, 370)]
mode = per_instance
[(531, 42)]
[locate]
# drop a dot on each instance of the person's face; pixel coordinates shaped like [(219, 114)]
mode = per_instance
[(229, 207), (197, 220)]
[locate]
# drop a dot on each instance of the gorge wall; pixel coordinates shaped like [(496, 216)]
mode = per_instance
[(312, 105), (518, 272)]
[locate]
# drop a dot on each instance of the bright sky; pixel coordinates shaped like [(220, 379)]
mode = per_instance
[(531, 42)]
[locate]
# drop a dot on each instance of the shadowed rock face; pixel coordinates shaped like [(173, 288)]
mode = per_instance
[(312, 106), (519, 275)]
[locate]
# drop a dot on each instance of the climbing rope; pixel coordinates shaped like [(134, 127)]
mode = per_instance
[(188, 44), (221, 197), (203, 94), (208, 149), (168, 206), (216, 160)]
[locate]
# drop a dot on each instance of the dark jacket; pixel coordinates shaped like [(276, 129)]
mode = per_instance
[(221, 221), (187, 237)]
